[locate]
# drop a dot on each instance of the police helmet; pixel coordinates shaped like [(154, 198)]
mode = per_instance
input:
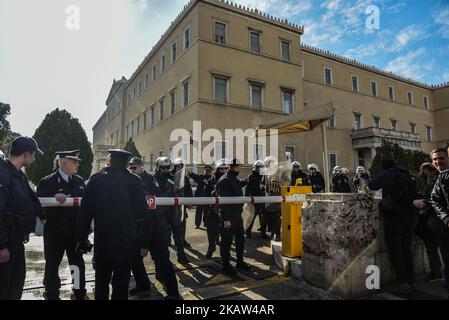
[(296, 164), (162, 162), (222, 163), (2, 155), (258, 163), (360, 169), (312, 166)]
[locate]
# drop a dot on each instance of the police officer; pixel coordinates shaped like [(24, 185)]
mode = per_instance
[(2, 156), (340, 182), (298, 177), (212, 215), (19, 207), (231, 222), (115, 199), (272, 183), (173, 215), (316, 179), (183, 189), (201, 181), (60, 223), (158, 240), (361, 180), (256, 188)]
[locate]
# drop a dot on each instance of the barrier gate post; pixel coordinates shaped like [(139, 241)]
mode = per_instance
[(291, 214)]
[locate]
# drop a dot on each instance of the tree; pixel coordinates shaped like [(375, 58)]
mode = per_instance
[(131, 147), (5, 111), (410, 160), (60, 131)]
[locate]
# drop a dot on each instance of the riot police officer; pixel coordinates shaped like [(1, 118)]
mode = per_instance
[(298, 177), (255, 188), (115, 199), (340, 182), (174, 216), (19, 207), (212, 216), (315, 177), (201, 181), (157, 242), (272, 182), (60, 223), (231, 222)]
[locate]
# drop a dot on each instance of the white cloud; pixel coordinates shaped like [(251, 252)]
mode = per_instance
[(408, 34), (396, 8), (441, 18), (408, 66)]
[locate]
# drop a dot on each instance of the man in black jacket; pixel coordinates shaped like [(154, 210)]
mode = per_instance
[(115, 199), (256, 188), (440, 203), (157, 241), (398, 187), (19, 207), (316, 179), (60, 223), (231, 222), (298, 177), (201, 181)]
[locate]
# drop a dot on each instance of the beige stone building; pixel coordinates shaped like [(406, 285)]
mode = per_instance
[(230, 67)]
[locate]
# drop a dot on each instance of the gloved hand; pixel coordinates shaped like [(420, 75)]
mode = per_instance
[(84, 247)]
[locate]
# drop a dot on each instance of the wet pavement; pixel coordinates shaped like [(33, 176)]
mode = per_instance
[(202, 280)]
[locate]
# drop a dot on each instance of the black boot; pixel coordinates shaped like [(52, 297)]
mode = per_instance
[(243, 266), (228, 270), (210, 252)]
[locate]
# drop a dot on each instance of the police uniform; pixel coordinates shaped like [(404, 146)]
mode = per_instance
[(60, 228), (273, 210), (115, 199), (255, 188), (201, 182), (19, 207), (230, 186), (212, 216), (303, 177)]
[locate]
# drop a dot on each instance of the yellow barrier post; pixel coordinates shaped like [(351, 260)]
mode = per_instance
[(291, 222)]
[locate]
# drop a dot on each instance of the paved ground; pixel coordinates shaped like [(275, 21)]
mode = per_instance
[(202, 279)]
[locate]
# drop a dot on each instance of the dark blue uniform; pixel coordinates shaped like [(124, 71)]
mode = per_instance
[(201, 182), (60, 232), (211, 214), (19, 207), (255, 188), (300, 175), (317, 181), (115, 200)]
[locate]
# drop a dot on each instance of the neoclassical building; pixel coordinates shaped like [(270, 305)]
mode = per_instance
[(232, 67)]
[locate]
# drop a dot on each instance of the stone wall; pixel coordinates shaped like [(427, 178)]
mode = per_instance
[(342, 236)]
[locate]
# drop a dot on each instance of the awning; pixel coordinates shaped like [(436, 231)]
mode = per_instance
[(302, 121)]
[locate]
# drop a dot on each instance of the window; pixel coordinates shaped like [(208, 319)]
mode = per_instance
[(185, 93), (145, 120), (409, 98), (256, 95), (426, 102), (331, 122), (153, 72), (220, 150), (187, 38), (220, 32), (173, 52), (132, 128), (172, 101), (152, 117), (391, 93), (332, 160), (161, 110), (374, 88), (394, 125), (140, 88), (255, 41), (355, 84), (147, 80), (376, 122), (221, 89), (258, 152), (429, 133), (413, 128), (328, 76), (163, 63), (358, 121), (285, 50), (138, 125), (289, 153), (287, 101)]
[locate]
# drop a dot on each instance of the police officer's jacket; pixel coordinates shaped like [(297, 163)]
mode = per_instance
[(19, 205), (317, 181), (300, 175), (440, 198), (230, 186), (340, 184), (53, 184), (254, 185), (115, 200), (201, 182)]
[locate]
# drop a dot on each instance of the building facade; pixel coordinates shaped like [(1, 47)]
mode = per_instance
[(230, 67)]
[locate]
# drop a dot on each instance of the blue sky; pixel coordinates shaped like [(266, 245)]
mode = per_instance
[(43, 65)]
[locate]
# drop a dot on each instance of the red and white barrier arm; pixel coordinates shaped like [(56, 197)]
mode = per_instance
[(173, 201)]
